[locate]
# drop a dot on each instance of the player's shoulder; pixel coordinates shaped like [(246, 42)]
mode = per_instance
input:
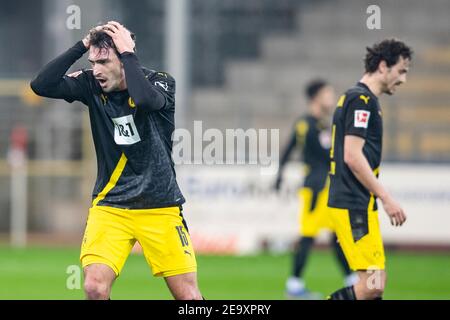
[(157, 75), (86, 78), (303, 123), (81, 74), (161, 79), (359, 95)]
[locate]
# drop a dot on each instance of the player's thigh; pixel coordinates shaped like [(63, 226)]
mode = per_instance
[(359, 235), (165, 241), (108, 238)]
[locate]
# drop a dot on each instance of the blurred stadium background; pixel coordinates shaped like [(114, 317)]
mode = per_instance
[(238, 64)]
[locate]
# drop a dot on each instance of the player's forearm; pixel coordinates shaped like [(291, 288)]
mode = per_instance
[(360, 167), (139, 88), (287, 151), (49, 81)]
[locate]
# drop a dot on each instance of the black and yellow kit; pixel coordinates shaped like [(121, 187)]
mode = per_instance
[(312, 137), (136, 180), (353, 207)]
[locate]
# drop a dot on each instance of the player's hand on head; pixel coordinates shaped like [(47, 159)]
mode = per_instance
[(120, 35), (394, 211), (86, 40)]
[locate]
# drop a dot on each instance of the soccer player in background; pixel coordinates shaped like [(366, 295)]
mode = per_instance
[(312, 137), (136, 196), (355, 160)]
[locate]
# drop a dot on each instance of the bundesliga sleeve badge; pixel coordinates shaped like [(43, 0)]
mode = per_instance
[(362, 118)]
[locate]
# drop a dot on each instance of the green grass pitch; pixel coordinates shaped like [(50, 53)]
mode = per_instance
[(40, 273)]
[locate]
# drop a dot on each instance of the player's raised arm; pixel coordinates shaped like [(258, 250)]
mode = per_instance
[(52, 82), (150, 96)]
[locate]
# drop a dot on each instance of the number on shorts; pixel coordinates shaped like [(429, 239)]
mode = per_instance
[(182, 235)]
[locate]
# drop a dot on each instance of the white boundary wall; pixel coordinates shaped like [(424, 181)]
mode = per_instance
[(233, 209)]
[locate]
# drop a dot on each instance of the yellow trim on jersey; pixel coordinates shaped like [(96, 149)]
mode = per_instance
[(341, 100), (332, 167), (302, 128), (113, 180), (333, 136)]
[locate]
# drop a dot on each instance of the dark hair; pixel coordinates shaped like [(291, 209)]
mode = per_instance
[(313, 88), (99, 39), (388, 50)]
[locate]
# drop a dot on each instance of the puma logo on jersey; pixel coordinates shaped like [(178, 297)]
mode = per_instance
[(364, 98), (187, 252)]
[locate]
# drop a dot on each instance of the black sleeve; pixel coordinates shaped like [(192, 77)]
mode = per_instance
[(51, 82), (151, 94), (288, 150), (357, 116)]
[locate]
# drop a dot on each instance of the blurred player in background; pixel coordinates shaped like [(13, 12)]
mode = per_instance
[(355, 159), (136, 196), (312, 136)]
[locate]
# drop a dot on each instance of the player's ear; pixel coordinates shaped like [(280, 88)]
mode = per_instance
[(382, 67)]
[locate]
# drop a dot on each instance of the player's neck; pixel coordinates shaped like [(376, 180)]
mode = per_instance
[(372, 83), (315, 111), (122, 84)]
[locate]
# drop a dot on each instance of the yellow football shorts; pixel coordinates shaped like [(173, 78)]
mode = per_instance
[(359, 235), (111, 233), (314, 212)]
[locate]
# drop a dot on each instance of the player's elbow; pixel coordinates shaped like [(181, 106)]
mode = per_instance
[(35, 86), (350, 158), (149, 104), (38, 87)]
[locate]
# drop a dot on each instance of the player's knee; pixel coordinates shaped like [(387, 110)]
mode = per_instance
[(96, 289)]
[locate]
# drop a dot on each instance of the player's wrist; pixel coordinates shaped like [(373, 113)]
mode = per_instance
[(85, 43), (384, 196)]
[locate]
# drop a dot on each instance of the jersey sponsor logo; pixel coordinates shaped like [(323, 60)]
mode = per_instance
[(125, 131), (362, 118), (162, 84)]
